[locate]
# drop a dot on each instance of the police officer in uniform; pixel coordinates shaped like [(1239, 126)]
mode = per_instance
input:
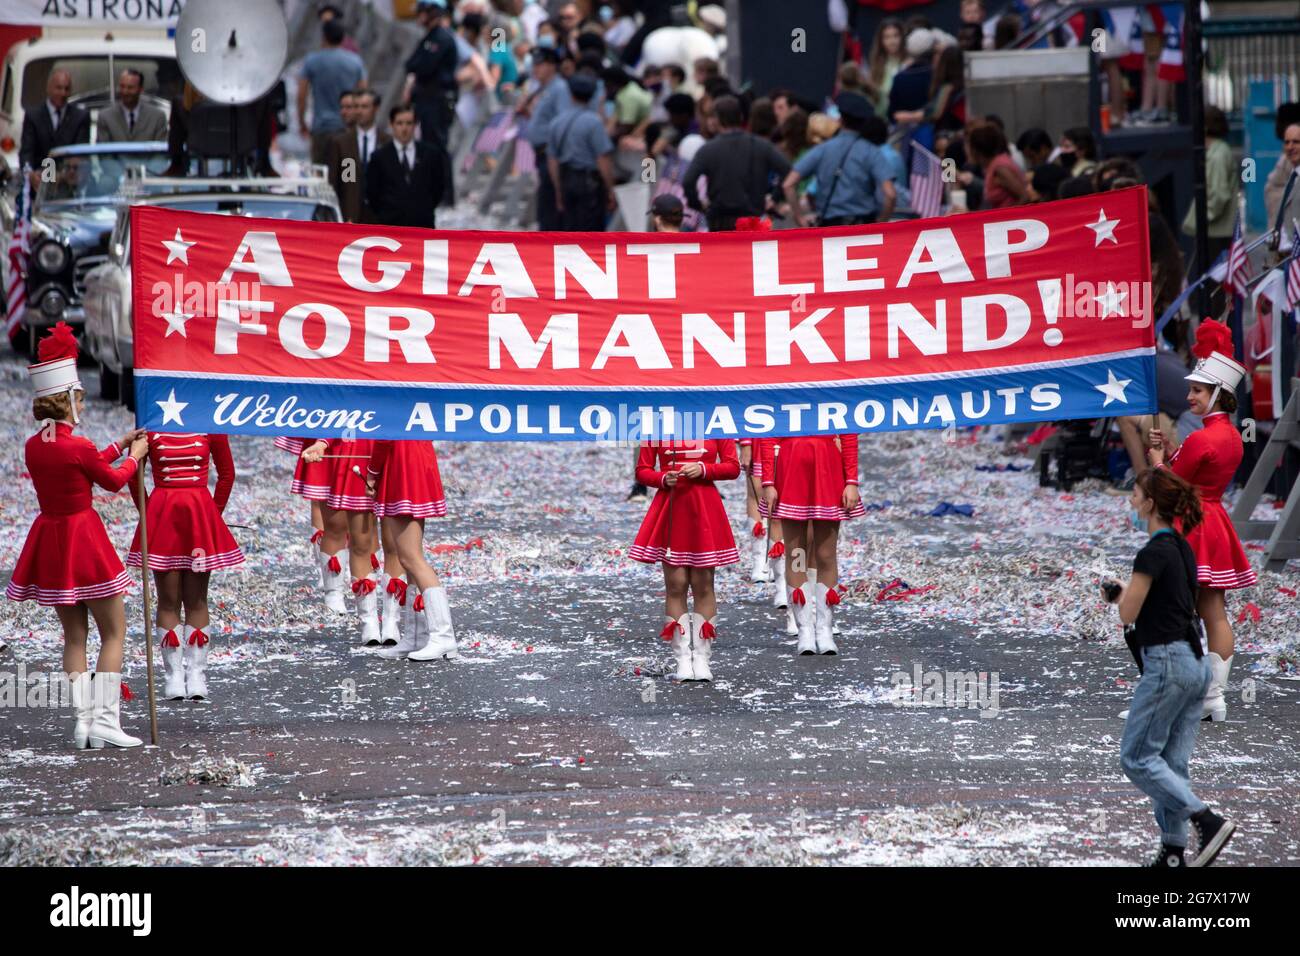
[(848, 170), (551, 99), (432, 81), (579, 157)]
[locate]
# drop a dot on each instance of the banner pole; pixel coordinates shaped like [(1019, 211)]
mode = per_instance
[(143, 504)]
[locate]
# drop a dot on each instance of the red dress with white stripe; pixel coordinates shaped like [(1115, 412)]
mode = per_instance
[(686, 525), (407, 481), (810, 476), (67, 557), (311, 479), (1208, 459), (186, 532), (345, 469)]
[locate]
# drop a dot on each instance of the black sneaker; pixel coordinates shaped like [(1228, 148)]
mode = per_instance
[(1214, 832), (1169, 857), (639, 492)]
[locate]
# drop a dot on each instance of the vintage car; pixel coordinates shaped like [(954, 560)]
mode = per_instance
[(94, 58), (72, 217), (109, 330)]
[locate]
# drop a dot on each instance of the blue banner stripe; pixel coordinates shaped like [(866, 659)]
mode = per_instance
[(1105, 388)]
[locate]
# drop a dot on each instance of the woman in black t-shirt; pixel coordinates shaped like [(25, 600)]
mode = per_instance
[(1158, 607)]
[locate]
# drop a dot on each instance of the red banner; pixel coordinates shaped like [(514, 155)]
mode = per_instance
[(275, 327)]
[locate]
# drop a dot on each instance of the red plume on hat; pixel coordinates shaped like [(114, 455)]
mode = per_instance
[(59, 344), (753, 224), (1212, 336)]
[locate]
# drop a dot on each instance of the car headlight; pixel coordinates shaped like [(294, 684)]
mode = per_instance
[(54, 303), (51, 257)]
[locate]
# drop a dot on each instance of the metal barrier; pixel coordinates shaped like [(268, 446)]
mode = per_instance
[(1241, 51)]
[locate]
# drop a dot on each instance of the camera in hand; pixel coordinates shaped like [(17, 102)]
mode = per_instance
[(1111, 589)]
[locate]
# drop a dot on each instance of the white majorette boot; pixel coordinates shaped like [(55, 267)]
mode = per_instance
[(776, 561), (442, 638), (169, 645), (390, 631), (83, 702), (1215, 706), (196, 660), (678, 632), (761, 572), (791, 622), (334, 568), (105, 724), (827, 598), (703, 634), (397, 610), (805, 614), (366, 591)]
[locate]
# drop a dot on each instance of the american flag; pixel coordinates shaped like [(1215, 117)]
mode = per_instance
[(670, 173), (1238, 274), (525, 157), (19, 249), (926, 182), (500, 128), (1293, 272)]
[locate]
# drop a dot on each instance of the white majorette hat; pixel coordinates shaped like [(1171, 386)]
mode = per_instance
[(1218, 370), (57, 369)]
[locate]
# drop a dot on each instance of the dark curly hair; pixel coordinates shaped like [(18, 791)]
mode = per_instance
[(1176, 501)]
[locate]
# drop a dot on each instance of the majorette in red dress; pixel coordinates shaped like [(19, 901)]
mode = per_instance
[(67, 557), (1208, 459), (686, 525), (810, 476), (407, 481), (311, 479), (186, 531)]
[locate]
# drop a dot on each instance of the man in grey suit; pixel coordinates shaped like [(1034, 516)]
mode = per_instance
[(128, 120)]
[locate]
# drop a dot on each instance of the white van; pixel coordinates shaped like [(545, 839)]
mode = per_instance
[(94, 57)]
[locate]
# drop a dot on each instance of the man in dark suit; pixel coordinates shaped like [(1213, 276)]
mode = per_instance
[(349, 153), (404, 179), (53, 123), (128, 120)]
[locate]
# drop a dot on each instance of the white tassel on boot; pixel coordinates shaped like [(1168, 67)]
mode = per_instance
[(680, 631), (335, 581), (83, 702), (196, 660), (703, 634), (169, 646), (805, 613), (367, 595), (761, 572), (1215, 706), (827, 598), (780, 592), (442, 637), (106, 724), (390, 627)]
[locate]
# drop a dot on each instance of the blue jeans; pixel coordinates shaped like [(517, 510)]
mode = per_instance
[(1161, 732)]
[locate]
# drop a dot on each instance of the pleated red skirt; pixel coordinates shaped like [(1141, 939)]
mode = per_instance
[(1221, 562), (67, 559), (694, 532), (186, 533), (810, 481), (346, 475), (411, 484)]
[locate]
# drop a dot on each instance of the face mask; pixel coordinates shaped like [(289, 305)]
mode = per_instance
[(1136, 520), (606, 14), (546, 41)]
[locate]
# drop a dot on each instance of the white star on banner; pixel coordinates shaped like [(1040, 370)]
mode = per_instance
[(176, 320), (177, 248), (1112, 302), (172, 409), (1113, 389), (1104, 229)]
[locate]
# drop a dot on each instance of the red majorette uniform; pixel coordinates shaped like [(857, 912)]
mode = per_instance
[(344, 470), (311, 479), (187, 533), (1208, 459), (758, 533), (67, 557), (408, 484), (810, 476), (687, 525)]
